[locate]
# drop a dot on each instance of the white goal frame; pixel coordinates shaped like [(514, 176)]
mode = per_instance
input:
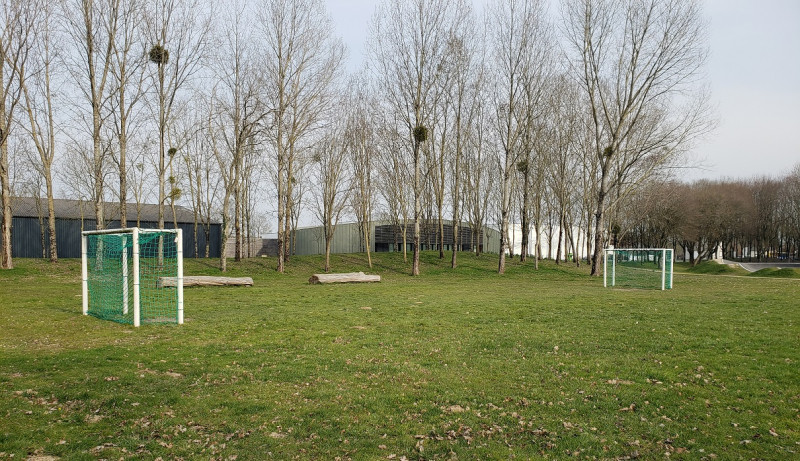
[(134, 234), (667, 257)]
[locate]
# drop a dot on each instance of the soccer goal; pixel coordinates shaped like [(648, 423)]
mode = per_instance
[(124, 273), (638, 268)]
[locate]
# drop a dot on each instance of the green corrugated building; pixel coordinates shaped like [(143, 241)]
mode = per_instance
[(387, 237)]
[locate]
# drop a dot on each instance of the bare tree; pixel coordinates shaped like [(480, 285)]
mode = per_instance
[(254, 176), (227, 171), (447, 123), (297, 201), (127, 72), (194, 159), (32, 186), (17, 20), (532, 164), (792, 209), (180, 135), (463, 99), (361, 140), (301, 63), (38, 97), (178, 32), (203, 184), (408, 43), (562, 150), (639, 64), (93, 26), (478, 178), (438, 156), (241, 102), (76, 171), (394, 182), (521, 44), (765, 192), (332, 184), (137, 178)]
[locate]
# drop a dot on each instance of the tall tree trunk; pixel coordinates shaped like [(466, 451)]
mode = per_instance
[(196, 205), (538, 256), (504, 212), (237, 221), (599, 225), (98, 157), (281, 217), (367, 240), (440, 229), (501, 265), (162, 128), (123, 172), (223, 262), (42, 233), (417, 209), (47, 161), (574, 245), (525, 220), (6, 261), (207, 231), (588, 237), (289, 208), (281, 229), (51, 219), (405, 239), (560, 237), (327, 251), (456, 206)]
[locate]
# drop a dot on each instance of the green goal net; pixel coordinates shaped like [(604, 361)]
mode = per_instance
[(133, 276), (638, 268)]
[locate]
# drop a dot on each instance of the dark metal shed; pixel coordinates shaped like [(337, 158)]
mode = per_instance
[(29, 226)]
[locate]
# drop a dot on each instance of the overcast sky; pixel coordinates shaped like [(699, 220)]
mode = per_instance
[(754, 72)]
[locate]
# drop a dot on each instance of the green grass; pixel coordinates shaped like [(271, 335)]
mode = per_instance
[(463, 363), (714, 268), (710, 268), (785, 272)]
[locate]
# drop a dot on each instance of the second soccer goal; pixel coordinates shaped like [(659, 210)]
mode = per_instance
[(638, 268)]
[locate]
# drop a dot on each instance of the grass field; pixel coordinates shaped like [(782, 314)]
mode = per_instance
[(463, 364)]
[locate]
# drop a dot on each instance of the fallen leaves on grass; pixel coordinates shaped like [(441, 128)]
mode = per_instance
[(455, 409), (98, 449)]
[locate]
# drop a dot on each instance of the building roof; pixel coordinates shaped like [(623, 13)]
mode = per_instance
[(75, 209)]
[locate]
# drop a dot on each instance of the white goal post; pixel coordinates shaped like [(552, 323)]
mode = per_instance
[(121, 270), (638, 267)]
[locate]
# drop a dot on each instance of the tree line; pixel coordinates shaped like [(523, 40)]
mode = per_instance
[(746, 220), (244, 111)]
